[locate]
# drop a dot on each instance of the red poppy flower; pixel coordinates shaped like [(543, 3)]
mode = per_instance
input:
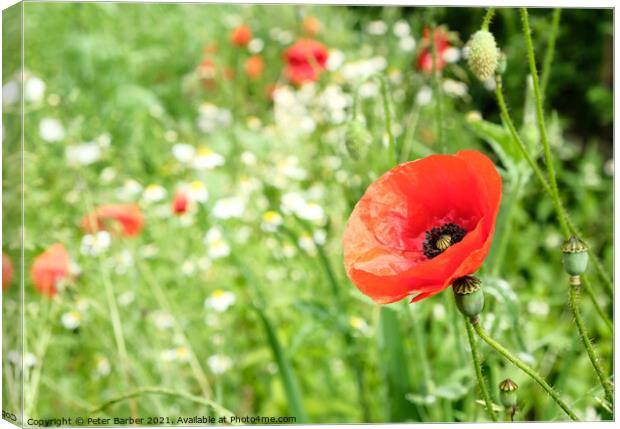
[(305, 60), (241, 35), (425, 57), (422, 225), (254, 66), (7, 271), (49, 268), (127, 217), (180, 204)]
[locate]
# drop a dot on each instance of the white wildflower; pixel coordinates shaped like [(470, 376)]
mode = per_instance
[(220, 300)]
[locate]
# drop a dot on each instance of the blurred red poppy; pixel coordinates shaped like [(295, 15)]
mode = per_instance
[(241, 35), (422, 225), (305, 60), (7, 271), (254, 66), (311, 25), (49, 268), (126, 217), (180, 204), (425, 57)]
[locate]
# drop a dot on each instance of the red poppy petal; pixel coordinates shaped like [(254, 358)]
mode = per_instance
[(383, 239)]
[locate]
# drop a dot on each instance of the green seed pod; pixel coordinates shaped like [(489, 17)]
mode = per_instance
[(357, 139), (483, 55), (468, 295), (508, 393), (575, 256)]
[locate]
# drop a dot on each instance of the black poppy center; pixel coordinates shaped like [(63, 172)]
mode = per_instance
[(438, 239)]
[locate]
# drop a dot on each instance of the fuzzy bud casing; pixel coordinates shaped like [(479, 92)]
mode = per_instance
[(483, 55), (574, 256), (508, 393), (357, 139), (468, 296)]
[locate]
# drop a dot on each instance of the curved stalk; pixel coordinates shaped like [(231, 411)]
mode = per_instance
[(540, 119), (539, 174), (526, 369), (546, 70), (574, 306), (437, 92), (162, 391), (478, 367)]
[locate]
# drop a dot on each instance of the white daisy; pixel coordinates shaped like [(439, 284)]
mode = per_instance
[(220, 300), (83, 153), (306, 242), (95, 244), (197, 192), (102, 367), (407, 44), (216, 246), (51, 130), (271, 221), (401, 28), (229, 207), (34, 90), (154, 193), (219, 364), (183, 152), (129, 190), (359, 324), (71, 320), (207, 159), (424, 96), (376, 28), (248, 158)]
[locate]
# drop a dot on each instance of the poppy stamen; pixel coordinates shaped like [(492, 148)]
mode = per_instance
[(439, 239)]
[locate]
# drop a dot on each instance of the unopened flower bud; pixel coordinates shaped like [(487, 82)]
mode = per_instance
[(575, 256), (483, 55), (357, 139), (468, 295), (508, 393)]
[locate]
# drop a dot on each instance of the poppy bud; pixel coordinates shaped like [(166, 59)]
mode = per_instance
[(468, 295), (357, 139), (575, 256), (483, 55), (508, 393)]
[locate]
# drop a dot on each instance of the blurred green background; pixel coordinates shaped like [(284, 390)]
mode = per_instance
[(299, 338)]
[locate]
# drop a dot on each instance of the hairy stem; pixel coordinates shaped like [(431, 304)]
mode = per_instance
[(477, 366), (546, 70), (531, 372), (387, 112), (540, 119), (162, 391), (574, 306), (488, 16), (539, 174)]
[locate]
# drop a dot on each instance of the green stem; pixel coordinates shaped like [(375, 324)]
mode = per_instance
[(162, 391), (539, 174), (487, 19), (542, 129), (437, 93), (515, 135), (478, 368), (597, 307), (574, 306), (546, 70), (163, 302), (526, 369), (387, 112)]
